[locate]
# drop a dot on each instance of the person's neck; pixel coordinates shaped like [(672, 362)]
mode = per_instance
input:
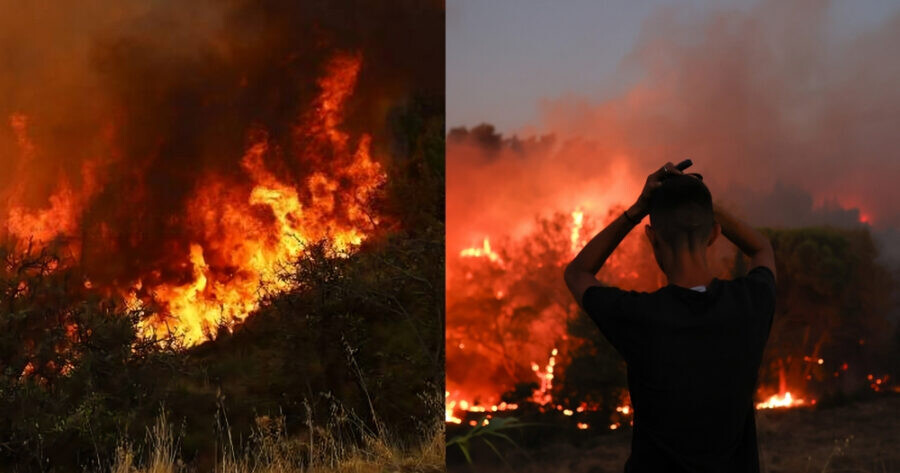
[(689, 270)]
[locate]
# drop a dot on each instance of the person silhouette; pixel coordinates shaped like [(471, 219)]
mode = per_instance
[(692, 348)]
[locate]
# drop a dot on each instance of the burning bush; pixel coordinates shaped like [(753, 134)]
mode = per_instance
[(76, 370), (349, 337), (509, 311)]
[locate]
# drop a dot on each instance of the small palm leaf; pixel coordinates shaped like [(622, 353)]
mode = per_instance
[(494, 428)]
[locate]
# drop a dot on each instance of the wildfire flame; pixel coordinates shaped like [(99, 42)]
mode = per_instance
[(577, 223), (244, 235), (484, 252), (40, 226), (620, 266), (781, 400)]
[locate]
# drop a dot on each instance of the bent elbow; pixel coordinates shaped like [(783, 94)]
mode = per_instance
[(569, 273), (575, 277)]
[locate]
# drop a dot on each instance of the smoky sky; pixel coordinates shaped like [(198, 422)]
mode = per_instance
[(135, 103), (793, 126)]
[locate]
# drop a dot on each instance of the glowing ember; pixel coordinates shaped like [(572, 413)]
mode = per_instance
[(453, 405), (877, 383), (543, 396)]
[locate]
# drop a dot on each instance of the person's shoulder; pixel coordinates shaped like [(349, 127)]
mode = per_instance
[(761, 274), (757, 274), (759, 286), (601, 296)]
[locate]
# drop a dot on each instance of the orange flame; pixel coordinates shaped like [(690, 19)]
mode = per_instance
[(244, 235), (577, 223), (260, 250), (781, 400), (484, 252), (38, 225), (620, 268)]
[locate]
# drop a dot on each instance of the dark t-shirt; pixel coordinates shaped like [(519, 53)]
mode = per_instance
[(693, 359)]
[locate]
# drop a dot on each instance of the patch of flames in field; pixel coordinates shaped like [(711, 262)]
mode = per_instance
[(457, 406)]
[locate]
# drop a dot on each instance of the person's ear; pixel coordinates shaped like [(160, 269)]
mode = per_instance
[(716, 231), (651, 235)]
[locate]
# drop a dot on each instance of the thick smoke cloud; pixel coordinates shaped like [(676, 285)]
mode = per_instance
[(786, 120)]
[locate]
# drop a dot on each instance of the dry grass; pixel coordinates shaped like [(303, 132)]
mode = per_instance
[(321, 449), (271, 450), (163, 449)]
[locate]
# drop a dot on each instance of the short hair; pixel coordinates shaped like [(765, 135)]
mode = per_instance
[(681, 212)]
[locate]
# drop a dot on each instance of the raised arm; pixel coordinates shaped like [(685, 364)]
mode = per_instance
[(749, 240), (581, 273)]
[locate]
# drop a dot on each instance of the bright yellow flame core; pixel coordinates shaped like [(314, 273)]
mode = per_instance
[(780, 400), (245, 234), (259, 250)]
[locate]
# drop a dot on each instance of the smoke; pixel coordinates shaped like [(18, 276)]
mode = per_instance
[(780, 115), (497, 186), (119, 116)]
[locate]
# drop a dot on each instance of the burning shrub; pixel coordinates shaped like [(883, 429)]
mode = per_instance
[(509, 309), (358, 332), (355, 336), (831, 328), (76, 370)]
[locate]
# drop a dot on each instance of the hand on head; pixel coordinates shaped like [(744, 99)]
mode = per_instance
[(653, 182)]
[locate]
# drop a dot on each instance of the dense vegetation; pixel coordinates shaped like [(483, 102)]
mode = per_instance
[(835, 297), (354, 350), (833, 302)]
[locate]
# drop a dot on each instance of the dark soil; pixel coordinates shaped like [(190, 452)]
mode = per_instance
[(860, 437)]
